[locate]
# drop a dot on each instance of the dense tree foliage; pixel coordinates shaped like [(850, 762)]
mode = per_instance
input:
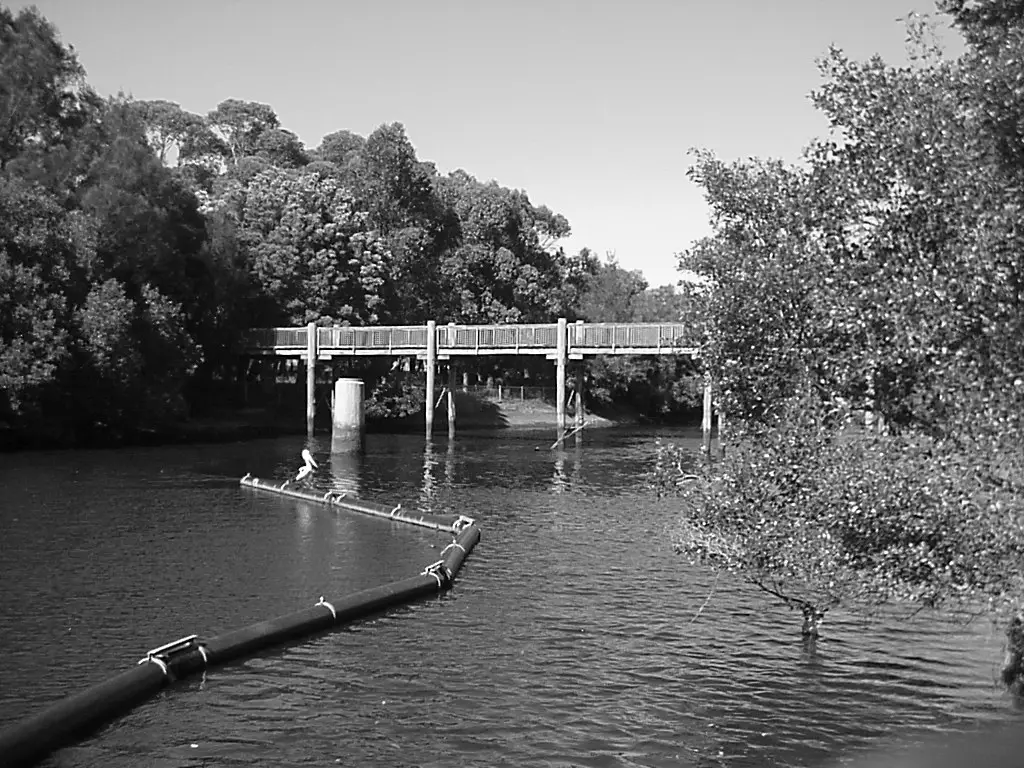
[(310, 251), (37, 268), (139, 240), (882, 274), (656, 386), (502, 268), (43, 94)]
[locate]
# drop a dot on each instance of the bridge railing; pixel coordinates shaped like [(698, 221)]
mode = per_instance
[(538, 336), (373, 337), (628, 335), (276, 338), (589, 336)]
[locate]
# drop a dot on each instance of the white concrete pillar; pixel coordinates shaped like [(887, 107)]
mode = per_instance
[(349, 421)]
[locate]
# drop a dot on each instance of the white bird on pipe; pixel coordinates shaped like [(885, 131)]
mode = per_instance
[(308, 468)]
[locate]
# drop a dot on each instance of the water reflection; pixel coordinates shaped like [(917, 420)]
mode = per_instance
[(560, 481), (347, 471), (580, 640), (567, 480), (435, 465), (428, 486), (449, 464)]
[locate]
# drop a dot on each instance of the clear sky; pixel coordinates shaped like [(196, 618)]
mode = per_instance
[(588, 106)]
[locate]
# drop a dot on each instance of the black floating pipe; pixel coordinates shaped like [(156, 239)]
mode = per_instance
[(343, 500), (30, 740), (33, 738)]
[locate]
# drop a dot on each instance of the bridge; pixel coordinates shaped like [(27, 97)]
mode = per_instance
[(561, 342), (579, 339)]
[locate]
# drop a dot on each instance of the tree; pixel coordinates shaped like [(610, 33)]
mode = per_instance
[(883, 272), (986, 24), (820, 521), (136, 357), (281, 148), (113, 360), (310, 251), (43, 93), (167, 126), (398, 192), (148, 227), (662, 304), (340, 148), (37, 267), (610, 294), (656, 386), (498, 271), (239, 124), (391, 182)]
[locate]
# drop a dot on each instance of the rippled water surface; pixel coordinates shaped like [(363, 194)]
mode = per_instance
[(568, 639)]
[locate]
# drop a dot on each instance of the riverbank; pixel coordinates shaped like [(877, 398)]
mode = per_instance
[(227, 424)]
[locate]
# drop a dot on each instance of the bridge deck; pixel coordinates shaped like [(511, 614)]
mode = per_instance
[(469, 340)]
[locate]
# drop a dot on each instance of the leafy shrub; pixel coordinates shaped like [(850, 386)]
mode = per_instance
[(820, 513)]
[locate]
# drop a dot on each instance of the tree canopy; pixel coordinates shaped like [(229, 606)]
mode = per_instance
[(139, 240), (883, 273)]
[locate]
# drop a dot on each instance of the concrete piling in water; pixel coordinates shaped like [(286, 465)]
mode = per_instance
[(348, 422)]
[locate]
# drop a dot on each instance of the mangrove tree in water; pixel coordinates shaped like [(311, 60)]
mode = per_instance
[(883, 276)]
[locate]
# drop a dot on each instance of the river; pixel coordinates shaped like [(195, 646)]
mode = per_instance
[(568, 639)]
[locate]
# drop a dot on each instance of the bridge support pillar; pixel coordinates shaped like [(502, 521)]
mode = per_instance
[(348, 420), (431, 371), (578, 395), (311, 353), (705, 423), (451, 398), (561, 354)]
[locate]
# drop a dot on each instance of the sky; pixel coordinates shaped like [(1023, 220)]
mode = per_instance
[(590, 107)]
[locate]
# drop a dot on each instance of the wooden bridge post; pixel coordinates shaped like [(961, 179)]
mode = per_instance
[(431, 370), (311, 353), (560, 360), (451, 398), (579, 394), (578, 398)]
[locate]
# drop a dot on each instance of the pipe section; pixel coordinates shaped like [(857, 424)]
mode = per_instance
[(30, 740), (447, 523)]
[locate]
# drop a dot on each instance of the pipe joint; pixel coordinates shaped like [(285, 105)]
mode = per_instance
[(440, 572), (462, 524), (329, 607), (163, 655), (453, 545)]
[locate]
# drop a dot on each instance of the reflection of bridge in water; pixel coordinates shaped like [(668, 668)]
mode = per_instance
[(562, 342), (438, 477)]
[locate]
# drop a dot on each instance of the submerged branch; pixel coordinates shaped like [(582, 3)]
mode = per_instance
[(707, 600)]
